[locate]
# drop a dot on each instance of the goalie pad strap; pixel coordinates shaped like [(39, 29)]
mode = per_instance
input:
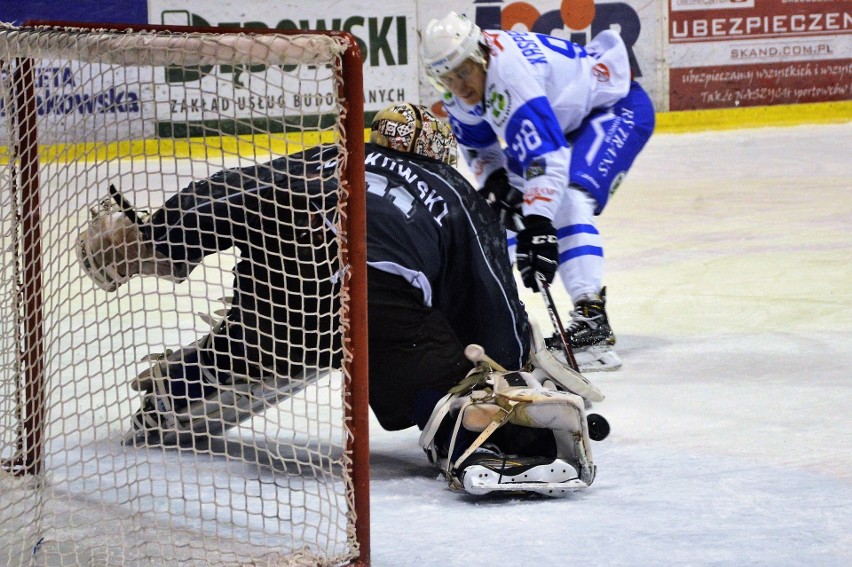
[(475, 378), (427, 436), (493, 426)]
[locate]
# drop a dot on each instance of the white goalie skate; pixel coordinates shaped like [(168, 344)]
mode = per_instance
[(486, 472)]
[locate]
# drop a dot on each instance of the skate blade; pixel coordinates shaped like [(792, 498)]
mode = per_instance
[(479, 481), (597, 359)]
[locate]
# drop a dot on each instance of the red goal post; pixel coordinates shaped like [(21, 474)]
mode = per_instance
[(41, 155)]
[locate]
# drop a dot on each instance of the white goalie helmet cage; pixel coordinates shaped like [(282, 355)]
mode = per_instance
[(448, 42), (412, 128)]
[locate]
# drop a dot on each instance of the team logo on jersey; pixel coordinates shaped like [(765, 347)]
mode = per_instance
[(536, 167), (601, 72), (498, 104)]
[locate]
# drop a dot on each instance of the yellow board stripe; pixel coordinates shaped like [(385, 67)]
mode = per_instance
[(667, 122), (754, 117), (198, 148)]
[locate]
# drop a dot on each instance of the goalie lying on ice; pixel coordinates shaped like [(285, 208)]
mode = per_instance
[(439, 278)]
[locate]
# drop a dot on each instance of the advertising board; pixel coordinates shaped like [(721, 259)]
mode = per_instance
[(728, 53), (577, 20), (91, 11), (688, 54), (385, 32)]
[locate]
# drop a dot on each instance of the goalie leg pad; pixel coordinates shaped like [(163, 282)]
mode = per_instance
[(144, 381), (175, 411), (559, 372), (221, 410), (562, 412), (224, 407), (517, 398)]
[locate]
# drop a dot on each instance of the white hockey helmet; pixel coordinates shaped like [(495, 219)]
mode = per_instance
[(412, 128), (448, 42)]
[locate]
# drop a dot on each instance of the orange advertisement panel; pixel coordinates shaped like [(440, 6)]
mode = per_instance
[(726, 53)]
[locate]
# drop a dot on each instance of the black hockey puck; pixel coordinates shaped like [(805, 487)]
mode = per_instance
[(598, 427)]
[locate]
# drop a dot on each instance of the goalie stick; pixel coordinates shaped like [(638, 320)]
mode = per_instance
[(598, 425), (475, 353)]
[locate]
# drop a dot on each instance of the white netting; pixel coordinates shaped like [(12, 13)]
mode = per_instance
[(159, 49), (151, 113)]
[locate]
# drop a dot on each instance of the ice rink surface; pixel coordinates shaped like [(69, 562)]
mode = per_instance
[(730, 290)]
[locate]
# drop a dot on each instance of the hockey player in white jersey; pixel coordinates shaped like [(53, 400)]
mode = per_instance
[(572, 122), (439, 278)]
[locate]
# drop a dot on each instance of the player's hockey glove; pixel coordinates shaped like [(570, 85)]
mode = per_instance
[(537, 251), (504, 200)]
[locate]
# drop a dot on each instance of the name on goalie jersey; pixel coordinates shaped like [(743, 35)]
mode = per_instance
[(401, 196)]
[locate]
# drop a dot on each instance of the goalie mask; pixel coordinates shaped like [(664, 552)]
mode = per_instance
[(413, 129)]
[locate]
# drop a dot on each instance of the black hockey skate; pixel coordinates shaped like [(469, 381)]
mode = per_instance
[(589, 324), (487, 471), (589, 335)]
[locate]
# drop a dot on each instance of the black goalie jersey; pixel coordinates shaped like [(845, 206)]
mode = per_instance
[(425, 223)]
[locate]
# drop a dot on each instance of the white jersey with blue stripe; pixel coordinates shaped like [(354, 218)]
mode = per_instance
[(537, 89)]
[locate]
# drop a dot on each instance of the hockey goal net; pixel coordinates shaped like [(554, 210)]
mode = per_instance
[(151, 111)]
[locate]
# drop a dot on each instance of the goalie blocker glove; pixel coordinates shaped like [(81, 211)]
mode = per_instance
[(538, 251), (504, 200)]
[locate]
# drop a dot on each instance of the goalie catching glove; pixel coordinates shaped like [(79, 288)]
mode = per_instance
[(112, 249)]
